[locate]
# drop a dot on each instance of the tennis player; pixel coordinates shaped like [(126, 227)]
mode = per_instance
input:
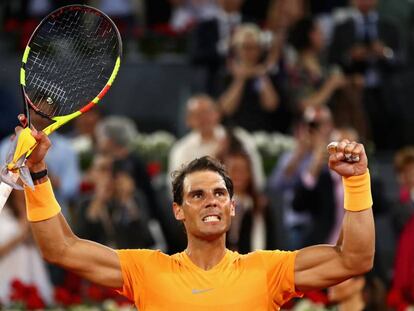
[(206, 275)]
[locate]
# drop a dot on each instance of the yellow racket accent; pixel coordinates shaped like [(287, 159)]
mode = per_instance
[(59, 121), (26, 54), (22, 76), (115, 71)]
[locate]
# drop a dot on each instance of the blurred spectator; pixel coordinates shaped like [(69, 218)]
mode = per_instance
[(62, 164), (312, 84), (125, 13), (114, 137), (211, 39), (318, 7), (252, 227), (207, 138), (188, 13), (361, 293), (8, 109), (318, 190), (82, 136), (404, 205), (315, 84), (402, 291), (368, 47), (311, 131), (116, 214), (249, 97), (281, 15), (39, 8), (19, 257)]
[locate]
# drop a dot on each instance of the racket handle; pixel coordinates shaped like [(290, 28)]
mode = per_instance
[(5, 190)]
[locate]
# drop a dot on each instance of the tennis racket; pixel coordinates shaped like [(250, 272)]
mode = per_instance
[(69, 64)]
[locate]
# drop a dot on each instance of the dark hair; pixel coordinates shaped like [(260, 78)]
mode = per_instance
[(251, 188), (374, 293), (205, 163), (403, 157), (299, 34)]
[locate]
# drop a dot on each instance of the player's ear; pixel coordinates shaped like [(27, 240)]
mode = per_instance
[(233, 208), (178, 212)]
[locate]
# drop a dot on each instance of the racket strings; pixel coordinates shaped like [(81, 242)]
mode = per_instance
[(71, 59)]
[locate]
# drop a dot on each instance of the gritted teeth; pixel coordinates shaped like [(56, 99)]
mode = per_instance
[(211, 218)]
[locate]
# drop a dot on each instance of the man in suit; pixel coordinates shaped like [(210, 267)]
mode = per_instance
[(368, 48), (211, 38)]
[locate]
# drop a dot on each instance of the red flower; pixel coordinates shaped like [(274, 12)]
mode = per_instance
[(26, 294), (34, 302), (153, 168), (73, 283), (62, 296), (318, 297), (17, 290), (95, 292), (396, 301), (76, 299)]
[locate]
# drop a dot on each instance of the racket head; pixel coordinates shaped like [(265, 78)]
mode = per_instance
[(70, 62)]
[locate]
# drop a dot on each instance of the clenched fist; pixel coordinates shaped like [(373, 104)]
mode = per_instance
[(347, 158)]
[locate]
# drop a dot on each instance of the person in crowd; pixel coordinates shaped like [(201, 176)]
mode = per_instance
[(323, 206), (360, 293), (313, 83), (83, 135), (248, 94), (368, 48), (186, 14), (211, 39), (20, 259), (311, 131), (252, 227), (207, 137), (8, 108), (114, 137), (404, 207), (206, 274), (116, 213), (281, 16), (319, 191), (125, 14), (401, 294)]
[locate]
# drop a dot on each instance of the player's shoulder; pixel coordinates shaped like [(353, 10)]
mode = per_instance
[(268, 257), (141, 255)]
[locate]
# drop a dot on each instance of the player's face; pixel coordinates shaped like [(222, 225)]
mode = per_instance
[(207, 208)]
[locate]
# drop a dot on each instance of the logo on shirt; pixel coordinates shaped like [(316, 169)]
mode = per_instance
[(200, 291)]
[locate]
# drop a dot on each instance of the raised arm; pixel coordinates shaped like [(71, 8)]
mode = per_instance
[(57, 243), (322, 266)]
